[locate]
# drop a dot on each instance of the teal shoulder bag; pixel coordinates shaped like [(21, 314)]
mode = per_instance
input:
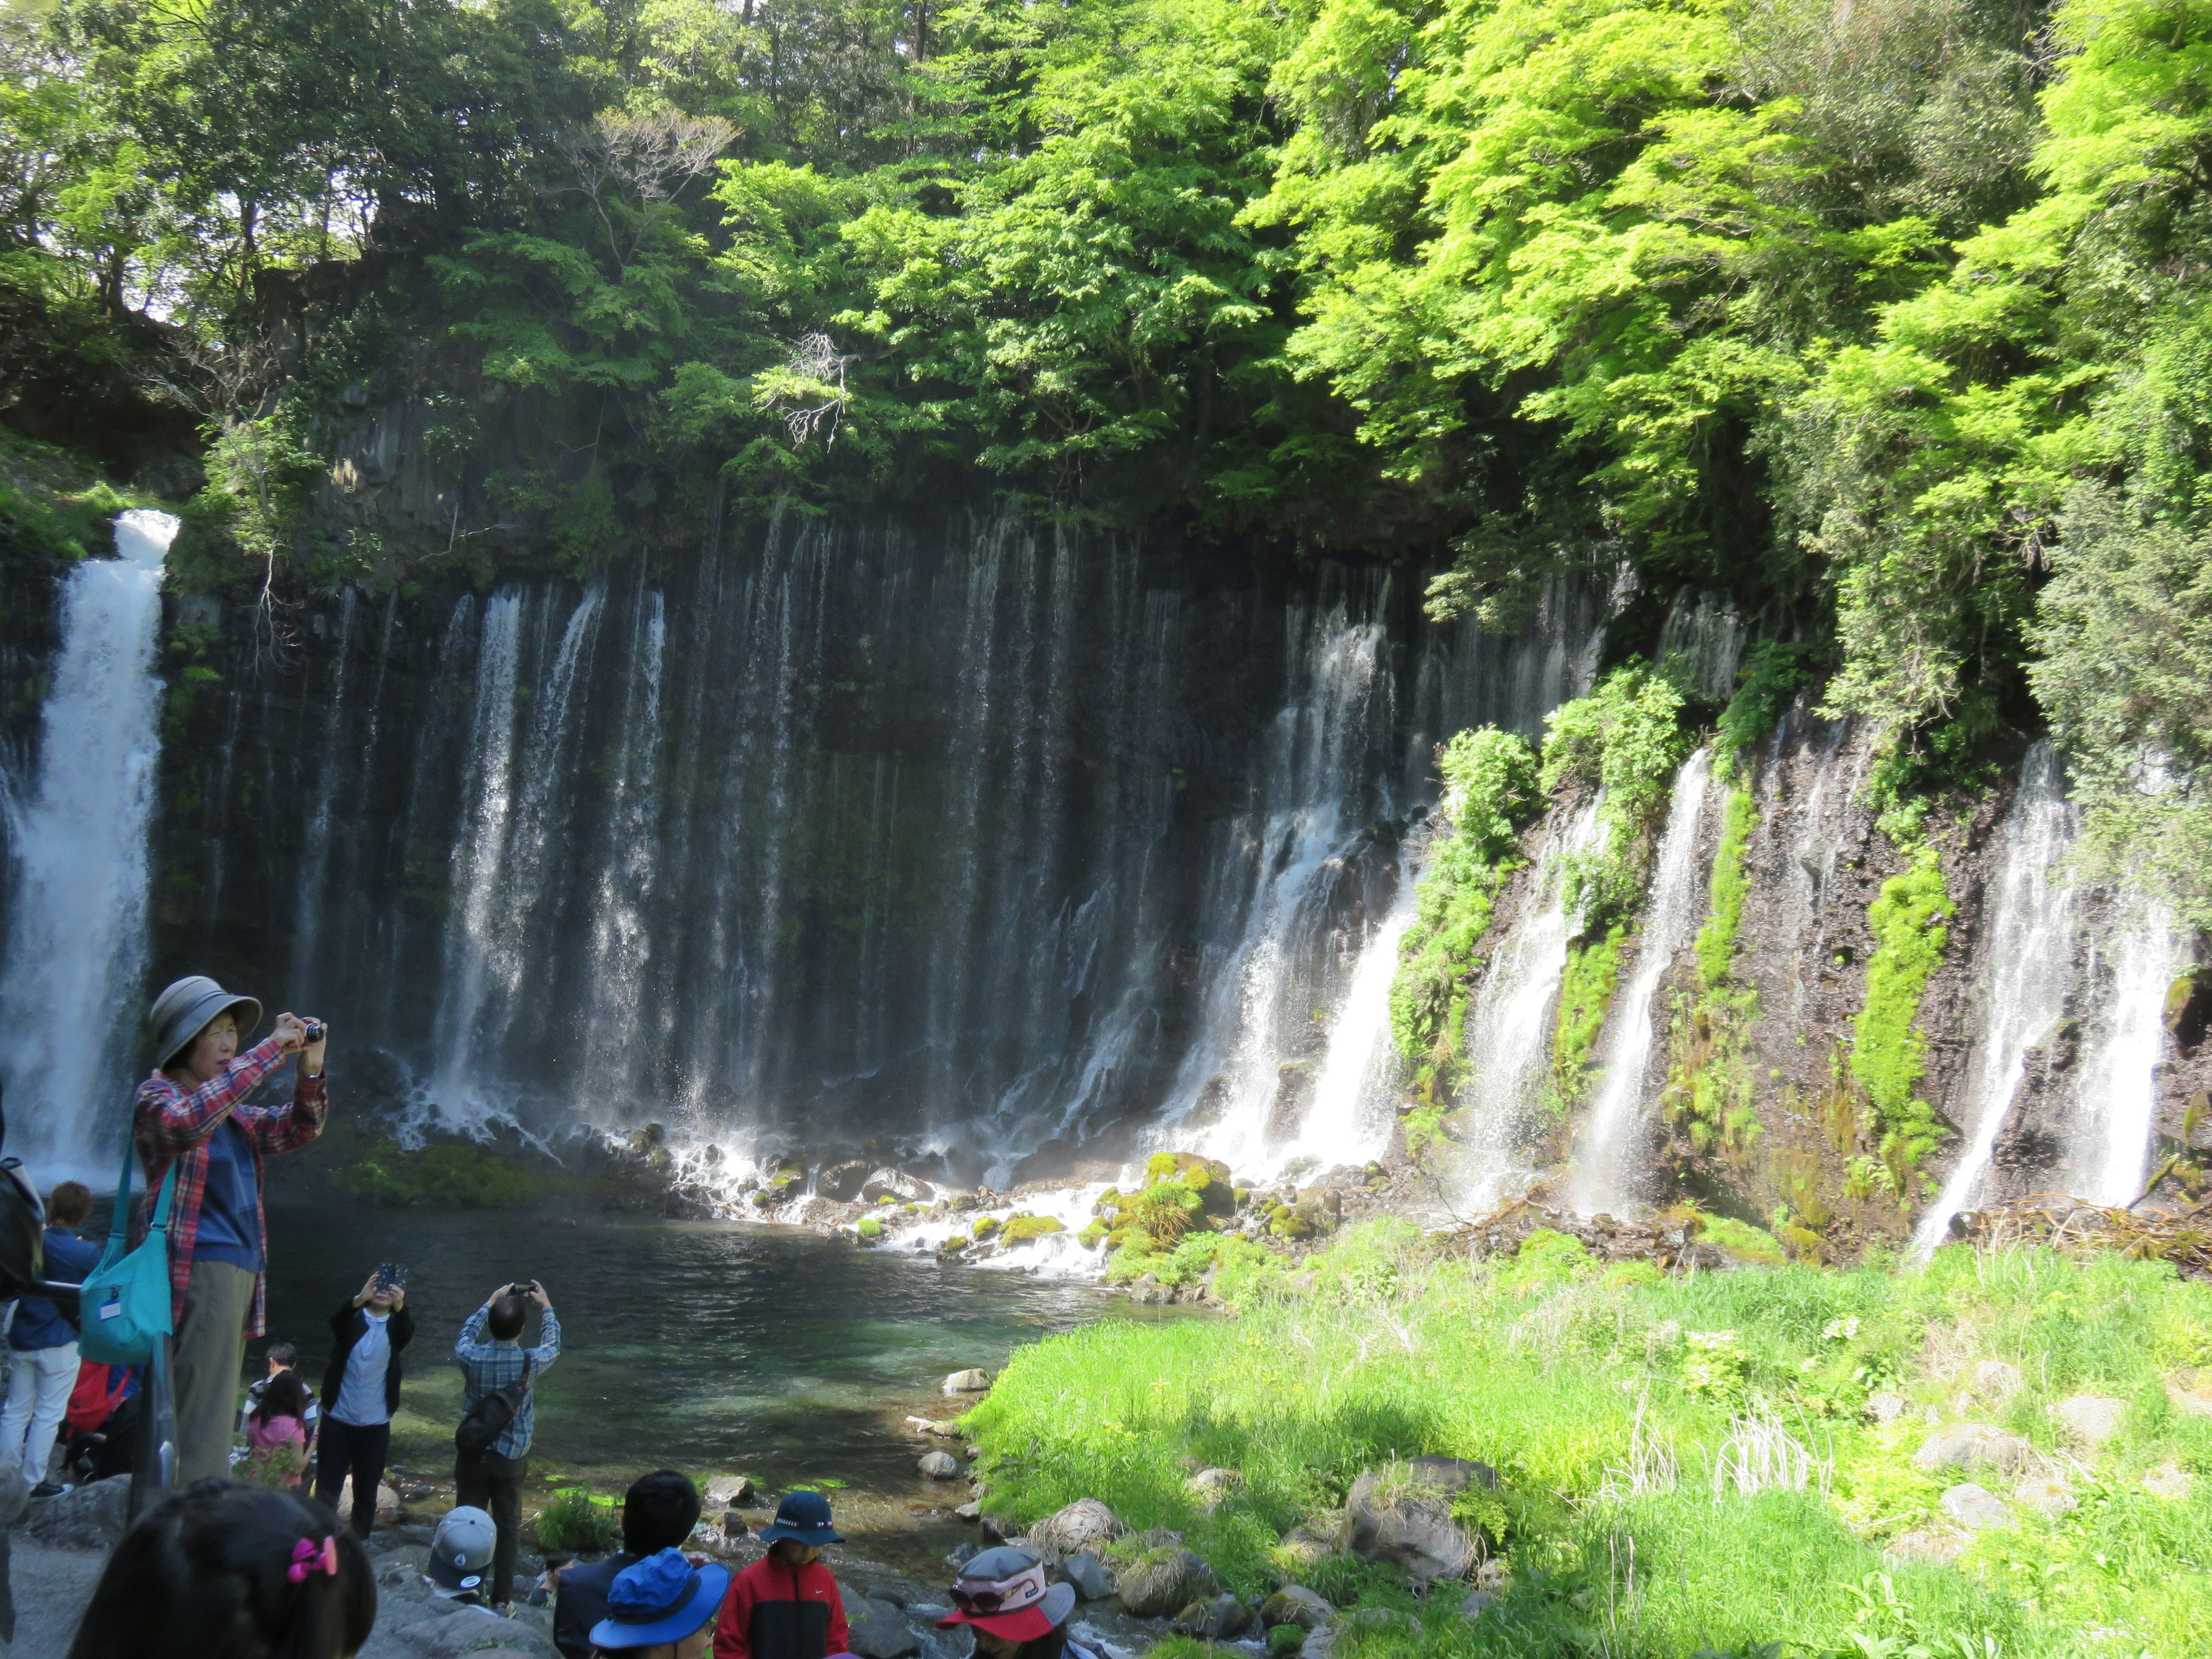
[(127, 1297)]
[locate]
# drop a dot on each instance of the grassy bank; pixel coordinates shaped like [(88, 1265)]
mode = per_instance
[(1609, 1398)]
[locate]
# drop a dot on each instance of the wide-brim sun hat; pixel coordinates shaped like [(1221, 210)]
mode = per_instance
[(663, 1598), (802, 1517), (1003, 1591), (187, 1006)]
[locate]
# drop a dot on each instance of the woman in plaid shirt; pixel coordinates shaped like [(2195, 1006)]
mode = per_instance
[(191, 1112)]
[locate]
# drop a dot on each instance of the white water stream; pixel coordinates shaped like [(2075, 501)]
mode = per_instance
[(70, 988), (2025, 968), (1509, 1028), (1669, 914), (2110, 1159)]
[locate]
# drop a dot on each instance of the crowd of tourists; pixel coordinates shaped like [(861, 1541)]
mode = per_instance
[(239, 1561)]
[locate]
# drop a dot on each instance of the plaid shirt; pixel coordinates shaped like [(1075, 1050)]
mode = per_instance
[(488, 1365), (172, 1127)]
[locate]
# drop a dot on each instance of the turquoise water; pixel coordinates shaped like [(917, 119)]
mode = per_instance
[(706, 1347)]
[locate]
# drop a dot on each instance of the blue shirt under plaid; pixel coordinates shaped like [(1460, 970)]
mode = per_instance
[(488, 1365)]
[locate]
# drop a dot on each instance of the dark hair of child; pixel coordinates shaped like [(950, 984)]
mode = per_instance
[(224, 1570), (658, 1513), (285, 1396), (284, 1354)]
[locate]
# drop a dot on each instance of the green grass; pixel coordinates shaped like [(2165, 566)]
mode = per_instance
[(1539, 1366), (1888, 1052)]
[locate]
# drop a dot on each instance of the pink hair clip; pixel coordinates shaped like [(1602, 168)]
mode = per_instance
[(308, 1557)]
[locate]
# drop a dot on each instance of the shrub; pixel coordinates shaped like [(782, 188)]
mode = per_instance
[(578, 1519), (1166, 1210)]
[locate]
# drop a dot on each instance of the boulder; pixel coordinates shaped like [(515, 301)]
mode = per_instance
[(1926, 1546), (2092, 1418), (972, 1381), (1886, 1407), (387, 1502), (960, 1555), (1086, 1524), (90, 1518), (842, 1182), (1092, 1578), (1975, 1507), (1285, 1640), (730, 1492), (2169, 1480), (1974, 1446), (15, 1496), (931, 1426), (899, 1592), (1208, 1487), (1402, 1514), (1161, 1580), (733, 1525), (877, 1630), (466, 1630), (2189, 1395), (1221, 1618), (938, 1465), (1472, 1605), (893, 1183), (1993, 1379), (2051, 1498), (1294, 1604), (1303, 1546), (969, 1512)]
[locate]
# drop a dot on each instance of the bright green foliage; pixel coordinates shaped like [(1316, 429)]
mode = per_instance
[(1586, 989), (1021, 1229), (1541, 1365), (1908, 922), (1626, 738), (576, 1519), (1731, 885), (1489, 792), (870, 1230)]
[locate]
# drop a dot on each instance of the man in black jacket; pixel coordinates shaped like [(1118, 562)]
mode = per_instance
[(658, 1512), (360, 1391)]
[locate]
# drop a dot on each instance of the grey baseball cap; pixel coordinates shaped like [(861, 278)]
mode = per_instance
[(184, 1010), (460, 1554)]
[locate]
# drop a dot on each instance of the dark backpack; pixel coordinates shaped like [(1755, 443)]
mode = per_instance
[(481, 1429)]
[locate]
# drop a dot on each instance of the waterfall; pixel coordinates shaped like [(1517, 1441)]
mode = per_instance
[(315, 851), (2025, 970), (1273, 882), (2119, 1096), (70, 988), (2026, 965), (1350, 1117), (621, 944), (1508, 1026), (1669, 914)]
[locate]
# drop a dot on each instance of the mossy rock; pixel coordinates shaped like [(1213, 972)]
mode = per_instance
[(1122, 1238), (1023, 1228), (1804, 1243), (870, 1230), (985, 1225), (1299, 1221), (955, 1244), (1093, 1236), (1744, 1241), (457, 1175)]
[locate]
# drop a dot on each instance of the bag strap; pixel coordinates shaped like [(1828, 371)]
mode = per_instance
[(160, 1221)]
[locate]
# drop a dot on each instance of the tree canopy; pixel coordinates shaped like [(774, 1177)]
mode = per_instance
[(1888, 317)]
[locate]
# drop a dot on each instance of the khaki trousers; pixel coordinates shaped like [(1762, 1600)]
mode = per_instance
[(206, 1356)]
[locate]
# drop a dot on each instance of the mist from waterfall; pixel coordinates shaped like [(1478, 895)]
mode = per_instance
[(70, 989), (1672, 907), (2025, 966)]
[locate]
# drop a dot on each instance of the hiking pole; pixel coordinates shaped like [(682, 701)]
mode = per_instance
[(154, 1460)]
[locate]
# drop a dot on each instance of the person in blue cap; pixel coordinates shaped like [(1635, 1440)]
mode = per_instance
[(661, 1608), (786, 1605)]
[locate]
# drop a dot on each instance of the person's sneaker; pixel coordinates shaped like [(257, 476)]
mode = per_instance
[(48, 1489)]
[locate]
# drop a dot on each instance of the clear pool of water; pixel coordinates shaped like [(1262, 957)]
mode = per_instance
[(706, 1347)]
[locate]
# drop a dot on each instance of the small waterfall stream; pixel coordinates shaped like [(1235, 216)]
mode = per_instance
[(70, 986), (1670, 914), (2110, 1156), (2027, 964), (1508, 1028)]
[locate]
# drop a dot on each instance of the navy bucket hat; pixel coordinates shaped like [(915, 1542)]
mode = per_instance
[(663, 1598), (803, 1517)]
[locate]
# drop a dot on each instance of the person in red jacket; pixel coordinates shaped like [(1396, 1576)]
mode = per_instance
[(786, 1605)]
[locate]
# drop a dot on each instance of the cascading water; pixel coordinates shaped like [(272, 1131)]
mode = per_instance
[(2027, 965), (1670, 910), (1509, 1027), (70, 986), (2109, 1160)]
